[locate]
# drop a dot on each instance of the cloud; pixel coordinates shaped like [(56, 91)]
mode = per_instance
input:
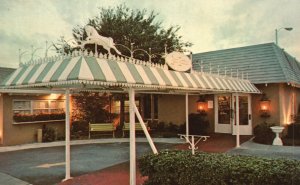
[(209, 25)]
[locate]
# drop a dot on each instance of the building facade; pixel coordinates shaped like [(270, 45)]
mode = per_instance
[(273, 71)]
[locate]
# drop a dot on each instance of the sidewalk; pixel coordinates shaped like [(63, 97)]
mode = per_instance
[(251, 148), (84, 142), (9, 180)]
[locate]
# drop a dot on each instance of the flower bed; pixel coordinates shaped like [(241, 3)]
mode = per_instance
[(38, 117)]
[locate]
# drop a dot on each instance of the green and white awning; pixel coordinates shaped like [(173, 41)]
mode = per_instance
[(93, 72)]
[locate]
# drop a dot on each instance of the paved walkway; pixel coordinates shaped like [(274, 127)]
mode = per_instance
[(119, 174), (37, 163), (220, 143), (255, 149)]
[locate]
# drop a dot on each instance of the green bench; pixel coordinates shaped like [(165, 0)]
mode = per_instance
[(102, 127), (138, 127)]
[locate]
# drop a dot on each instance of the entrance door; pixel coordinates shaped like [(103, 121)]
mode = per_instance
[(223, 113), (244, 115), (226, 111)]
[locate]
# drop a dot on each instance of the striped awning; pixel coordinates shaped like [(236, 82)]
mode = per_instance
[(96, 73)]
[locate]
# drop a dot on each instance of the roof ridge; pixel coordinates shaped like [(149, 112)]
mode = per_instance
[(280, 57), (284, 62)]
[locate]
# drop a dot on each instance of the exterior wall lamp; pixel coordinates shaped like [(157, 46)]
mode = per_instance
[(265, 106), (201, 104)]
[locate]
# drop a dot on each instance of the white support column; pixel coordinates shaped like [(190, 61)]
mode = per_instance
[(132, 137), (68, 153), (193, 145), (187, 114), (237, 120), (154, 150)]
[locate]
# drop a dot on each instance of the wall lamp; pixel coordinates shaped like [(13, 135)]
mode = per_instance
[(265, 106), (201, 104)]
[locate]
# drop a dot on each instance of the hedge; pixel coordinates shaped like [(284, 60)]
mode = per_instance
[(183, 168)]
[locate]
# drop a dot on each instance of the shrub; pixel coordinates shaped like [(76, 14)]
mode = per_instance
[(263, 133), (198, 124), (80, 127), (161, 126), (183, 168), (293, 131), (48, 134)]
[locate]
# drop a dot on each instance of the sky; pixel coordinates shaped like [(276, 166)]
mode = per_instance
[(26, 25)]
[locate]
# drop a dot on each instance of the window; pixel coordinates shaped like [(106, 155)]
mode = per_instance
[(21, 107), (38, 106), (116, 107)]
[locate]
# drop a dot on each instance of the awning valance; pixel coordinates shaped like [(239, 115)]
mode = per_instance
[(94, 72)]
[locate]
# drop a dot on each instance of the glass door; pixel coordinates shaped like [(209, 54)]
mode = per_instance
[(223, 113), (226, 112), (244, 114)]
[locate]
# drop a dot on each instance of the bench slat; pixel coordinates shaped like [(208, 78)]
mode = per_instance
[(138, 127), (101, 127)]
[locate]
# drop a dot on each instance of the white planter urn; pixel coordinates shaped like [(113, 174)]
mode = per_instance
[(277, 130)]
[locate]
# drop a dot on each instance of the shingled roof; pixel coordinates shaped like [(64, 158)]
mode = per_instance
[(263, 63), (5, 72)]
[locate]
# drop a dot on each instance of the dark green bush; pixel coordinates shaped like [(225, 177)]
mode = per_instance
[(183, 168), (48, 134), (161, 126), (263, 133), (80, 128), (198, 124), (293, 131)]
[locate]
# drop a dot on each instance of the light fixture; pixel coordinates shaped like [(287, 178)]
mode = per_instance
[(265, 106), (201, 104), (277, 30)]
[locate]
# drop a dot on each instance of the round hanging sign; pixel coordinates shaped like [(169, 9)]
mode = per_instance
[(178, 61)]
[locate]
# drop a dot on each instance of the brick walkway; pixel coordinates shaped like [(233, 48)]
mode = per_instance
[(119, 174)]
